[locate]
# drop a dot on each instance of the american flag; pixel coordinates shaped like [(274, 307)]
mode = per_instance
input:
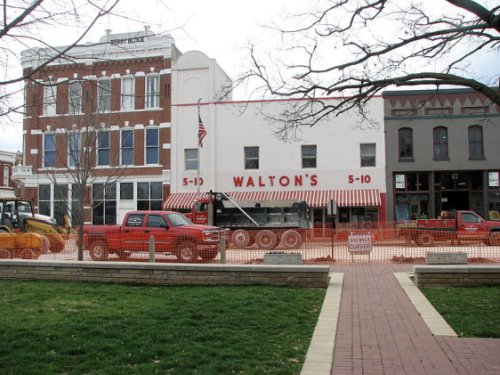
[(201, 132)]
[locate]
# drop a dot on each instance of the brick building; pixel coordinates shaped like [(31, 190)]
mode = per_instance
[(7, 162), (118, 90)]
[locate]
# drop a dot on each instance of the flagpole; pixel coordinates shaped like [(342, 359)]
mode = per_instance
[(199, 149)]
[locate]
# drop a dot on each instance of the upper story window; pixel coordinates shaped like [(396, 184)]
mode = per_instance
[(127, 152), (103, 147), (405, 143), (152, 146), (476, 150), (190, 159), (309, 156), (128, 93), (367, 154), (74, 149), (49, 150), (49, 100), (75, 97), (6, 174), (153, 91), (251, 157), (440, 140), (104, 95)]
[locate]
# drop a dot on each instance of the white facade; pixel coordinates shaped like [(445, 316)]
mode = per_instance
[(232, 126)]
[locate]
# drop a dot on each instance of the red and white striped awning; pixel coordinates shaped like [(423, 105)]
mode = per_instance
[(315, 198)]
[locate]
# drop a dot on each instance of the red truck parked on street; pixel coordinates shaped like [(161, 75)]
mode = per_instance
[(455, 226), (173, 234)]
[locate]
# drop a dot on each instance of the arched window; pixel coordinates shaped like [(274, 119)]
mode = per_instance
[(476, 150), (440, 137), (405, 143)]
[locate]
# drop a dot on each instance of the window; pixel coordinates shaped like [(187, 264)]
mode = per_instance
[(103, 147), (251, 157), (367, 153), (309, 156), (191, 159), (128, 93), (75, 97), (468, 217), (104, 198), (135, 220), (74, 149), (156, 221), (104, 95), (405, 143), (49, 150), (126, 190), (476, 142), (152, 91), (44, 200), (149, 195), (127, 147), (6, 174), (152, 146), (77, 192), (60, 202), (49, 100), (440, 136)]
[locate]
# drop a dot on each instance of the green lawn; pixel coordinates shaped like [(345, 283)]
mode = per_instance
[(471, 312), (85, 328)]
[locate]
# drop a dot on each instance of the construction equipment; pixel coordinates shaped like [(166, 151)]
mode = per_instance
[(17, 216), (22, 245)]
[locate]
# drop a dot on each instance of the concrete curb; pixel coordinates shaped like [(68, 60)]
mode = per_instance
[(434, 320), (319, 357)]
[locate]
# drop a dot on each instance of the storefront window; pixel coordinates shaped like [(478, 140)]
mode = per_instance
[(412, 207), (411, 196)]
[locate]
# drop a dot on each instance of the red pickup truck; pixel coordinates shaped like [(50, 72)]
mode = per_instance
[(173, 234), (458, 226)]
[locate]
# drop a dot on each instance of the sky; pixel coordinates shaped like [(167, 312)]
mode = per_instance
[(222, 29)]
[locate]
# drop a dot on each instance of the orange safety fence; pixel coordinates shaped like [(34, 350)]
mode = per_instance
[(318, 245)]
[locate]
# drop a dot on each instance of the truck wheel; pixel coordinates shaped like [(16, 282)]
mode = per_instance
[(186, 252), (291, 239), (495, 239), (265, 239), (209, 254), (425, 239), (5, 254), (98, 251), (240, 238)]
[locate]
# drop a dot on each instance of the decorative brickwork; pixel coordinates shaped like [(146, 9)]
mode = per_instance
[(168, 274), (450, 276)]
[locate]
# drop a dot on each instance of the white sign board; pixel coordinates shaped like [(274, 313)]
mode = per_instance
[(400, 181), (493, 179)]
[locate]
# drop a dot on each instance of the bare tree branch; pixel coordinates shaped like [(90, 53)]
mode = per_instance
[(343, 51)]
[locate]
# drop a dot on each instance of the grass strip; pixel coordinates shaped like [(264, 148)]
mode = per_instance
[(84, 328), (470, 311)]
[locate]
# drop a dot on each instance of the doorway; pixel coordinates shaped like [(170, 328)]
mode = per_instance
[(454, 200)]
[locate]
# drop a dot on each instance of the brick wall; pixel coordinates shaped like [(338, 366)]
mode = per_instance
[(167, 274), (450, 276)]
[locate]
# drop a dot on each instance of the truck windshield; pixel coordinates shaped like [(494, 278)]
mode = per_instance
[(178, 220)]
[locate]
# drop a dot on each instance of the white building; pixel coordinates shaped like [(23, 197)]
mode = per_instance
[(336, 159)]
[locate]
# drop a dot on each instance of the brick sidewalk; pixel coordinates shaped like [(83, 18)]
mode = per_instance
[(380, 332)]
